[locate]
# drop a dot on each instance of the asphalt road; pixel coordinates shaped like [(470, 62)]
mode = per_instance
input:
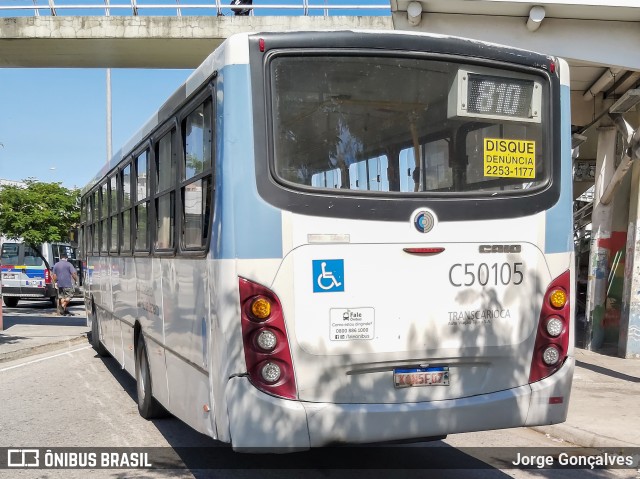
[(72, 399), (42, 308)]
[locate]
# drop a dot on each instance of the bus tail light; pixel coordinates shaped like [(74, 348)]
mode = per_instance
[(47, 276), (266, 345), (552, 336)]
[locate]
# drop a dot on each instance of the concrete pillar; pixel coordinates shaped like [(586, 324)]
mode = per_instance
[(629, 338), (600, 238)]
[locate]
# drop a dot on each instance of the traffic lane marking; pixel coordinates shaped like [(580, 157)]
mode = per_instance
[(33, 361)]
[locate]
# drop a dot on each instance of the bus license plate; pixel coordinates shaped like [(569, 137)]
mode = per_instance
[(416, 377)]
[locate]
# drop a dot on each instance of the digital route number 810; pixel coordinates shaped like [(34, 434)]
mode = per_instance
[(485, 274)]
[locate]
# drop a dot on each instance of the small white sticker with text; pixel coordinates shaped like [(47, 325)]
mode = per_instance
[(349, 324)]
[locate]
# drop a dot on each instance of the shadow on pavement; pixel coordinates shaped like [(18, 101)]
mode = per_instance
[(205, 457), (10, 320), (42, 313), (6, 339), (608, 372)]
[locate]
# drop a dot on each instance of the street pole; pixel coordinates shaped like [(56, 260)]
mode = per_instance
[(108, 115)]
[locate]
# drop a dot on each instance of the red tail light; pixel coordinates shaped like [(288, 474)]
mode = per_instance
[(423, 251), (47, 276), (266, 345), (552, 337)]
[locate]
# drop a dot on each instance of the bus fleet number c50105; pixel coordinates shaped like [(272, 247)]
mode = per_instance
[(469, 274)]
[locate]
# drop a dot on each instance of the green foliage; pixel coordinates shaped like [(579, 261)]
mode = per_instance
[(195, 163), (38, 212)]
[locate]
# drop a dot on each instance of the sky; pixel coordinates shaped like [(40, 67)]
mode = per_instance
[(53, 121)]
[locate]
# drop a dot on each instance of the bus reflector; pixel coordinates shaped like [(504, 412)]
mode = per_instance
[(266, 345), (260, 308), (558, 298), (549, 351), (556, 400)]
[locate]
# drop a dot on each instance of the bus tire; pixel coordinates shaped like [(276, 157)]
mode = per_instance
[(148, 406), (10, 302), (95, 338)]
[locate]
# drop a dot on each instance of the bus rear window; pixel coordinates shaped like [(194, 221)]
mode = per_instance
[(407, 126), (9, 254), (31, 257)]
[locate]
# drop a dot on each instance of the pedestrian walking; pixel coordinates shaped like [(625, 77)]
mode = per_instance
[(244, 11), (65, 276)]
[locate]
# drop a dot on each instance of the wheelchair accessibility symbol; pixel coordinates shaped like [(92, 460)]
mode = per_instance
[(328, 275)]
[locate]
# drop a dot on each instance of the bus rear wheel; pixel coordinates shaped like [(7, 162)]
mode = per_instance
[(10, 302), (148, 406)]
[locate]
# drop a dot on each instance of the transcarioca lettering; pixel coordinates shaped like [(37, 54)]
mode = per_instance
[(480, 314)]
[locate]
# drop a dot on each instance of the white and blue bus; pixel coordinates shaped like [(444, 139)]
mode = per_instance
[(26, 270), (343, 237)]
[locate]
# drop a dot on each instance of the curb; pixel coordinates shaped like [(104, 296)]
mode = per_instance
[(581, 438), (42, 348)]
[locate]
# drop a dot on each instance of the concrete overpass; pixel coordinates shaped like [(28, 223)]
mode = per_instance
[(142, 42), (598, 39)]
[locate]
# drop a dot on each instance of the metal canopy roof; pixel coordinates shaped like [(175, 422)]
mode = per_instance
[(606, 10), (599, 38)]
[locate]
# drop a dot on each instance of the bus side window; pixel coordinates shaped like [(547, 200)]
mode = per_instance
[(125, 215), (96, 224), (104, 213), (327, 179), (370, 175), (196, 187), (141, 208), (165, 162), (55, 251), (432, 172)]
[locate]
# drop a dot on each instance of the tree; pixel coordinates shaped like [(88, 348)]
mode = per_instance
[(38, 212)]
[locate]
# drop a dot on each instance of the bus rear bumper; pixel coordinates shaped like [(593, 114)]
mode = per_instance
[(29, 293), (262, 423), (259, 422), (550, 397)]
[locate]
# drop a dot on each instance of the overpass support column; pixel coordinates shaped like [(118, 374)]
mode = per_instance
[(600, 238), (629, 339)]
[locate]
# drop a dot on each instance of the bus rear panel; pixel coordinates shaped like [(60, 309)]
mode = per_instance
[(418, 189)]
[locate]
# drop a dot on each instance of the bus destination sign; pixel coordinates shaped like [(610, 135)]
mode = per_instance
[(509, 97)]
